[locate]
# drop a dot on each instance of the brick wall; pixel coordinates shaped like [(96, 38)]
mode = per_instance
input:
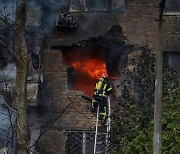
[(138, 25), (171, 33), (139, 28), (53, 142), (54, 100)]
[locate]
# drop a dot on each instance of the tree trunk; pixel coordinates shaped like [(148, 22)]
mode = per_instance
[(21, 60), (21, 105)]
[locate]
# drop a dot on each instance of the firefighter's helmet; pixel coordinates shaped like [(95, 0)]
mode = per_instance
[(104, 75)]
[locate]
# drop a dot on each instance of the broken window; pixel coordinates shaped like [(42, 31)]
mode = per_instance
[(172, 6), (82, 142)]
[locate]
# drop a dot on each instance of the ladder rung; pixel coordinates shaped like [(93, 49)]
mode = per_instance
[(102, 133), (99, 142), (101, 138), (98, 151)]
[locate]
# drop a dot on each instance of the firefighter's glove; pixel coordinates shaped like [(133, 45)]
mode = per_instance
[(97, 93), (92, 109)]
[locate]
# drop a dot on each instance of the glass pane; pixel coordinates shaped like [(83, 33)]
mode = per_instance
[(74, 142), (98, 5), (90, 136), (75, 5), (172, 6), (118, 5)]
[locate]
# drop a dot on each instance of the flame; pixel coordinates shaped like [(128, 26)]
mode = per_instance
[(92, 67), (114, 78)]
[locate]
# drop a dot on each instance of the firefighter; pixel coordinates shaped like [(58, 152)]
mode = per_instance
[(102, 89)]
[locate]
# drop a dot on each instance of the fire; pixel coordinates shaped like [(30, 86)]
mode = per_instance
[(92, 67), (114, 78)]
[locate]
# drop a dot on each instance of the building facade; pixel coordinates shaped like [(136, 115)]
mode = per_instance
[(90, 31), (114, 31)]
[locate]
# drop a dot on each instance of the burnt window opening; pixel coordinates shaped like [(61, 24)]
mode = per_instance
[(172, 7), (79, 142), (85, 65), (98, 5)]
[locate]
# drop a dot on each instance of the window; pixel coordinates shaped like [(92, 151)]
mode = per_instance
[(172, 59), (119, 5), (82, 142), (98, 5), (172, 7)]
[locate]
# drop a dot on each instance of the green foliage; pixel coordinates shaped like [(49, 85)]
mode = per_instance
[(171, 113), (134, 107), (143, 77), (132, 127), (124, 123)]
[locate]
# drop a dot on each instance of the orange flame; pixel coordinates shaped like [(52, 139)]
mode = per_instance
[(114, 78), (93, 68)]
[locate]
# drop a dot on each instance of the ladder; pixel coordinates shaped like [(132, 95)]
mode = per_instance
[(99, 136)]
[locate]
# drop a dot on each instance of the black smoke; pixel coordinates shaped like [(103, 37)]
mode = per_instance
[(49, 11)]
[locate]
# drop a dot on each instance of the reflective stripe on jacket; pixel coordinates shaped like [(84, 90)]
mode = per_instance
[(104, 89)]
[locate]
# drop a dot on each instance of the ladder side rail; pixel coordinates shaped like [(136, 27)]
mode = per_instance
[(95, 140), (108, 124)]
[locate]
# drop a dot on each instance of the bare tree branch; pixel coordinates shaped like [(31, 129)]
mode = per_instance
[(51, 124), (12, 52)]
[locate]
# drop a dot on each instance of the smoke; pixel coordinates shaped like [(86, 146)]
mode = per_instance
[(116, 63), (33, 13), (116, 58), (49, 10), (39, 12)]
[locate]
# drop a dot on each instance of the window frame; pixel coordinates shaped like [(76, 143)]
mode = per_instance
[(100, 11), (86, 148)]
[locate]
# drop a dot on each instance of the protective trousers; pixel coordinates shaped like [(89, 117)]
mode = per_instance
[(102, 101)]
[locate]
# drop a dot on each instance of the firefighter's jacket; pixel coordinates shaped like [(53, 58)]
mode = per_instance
[(103, 87)]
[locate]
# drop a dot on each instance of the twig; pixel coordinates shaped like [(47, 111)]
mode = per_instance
[(8, 106), (51, 124), (12, 52)]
